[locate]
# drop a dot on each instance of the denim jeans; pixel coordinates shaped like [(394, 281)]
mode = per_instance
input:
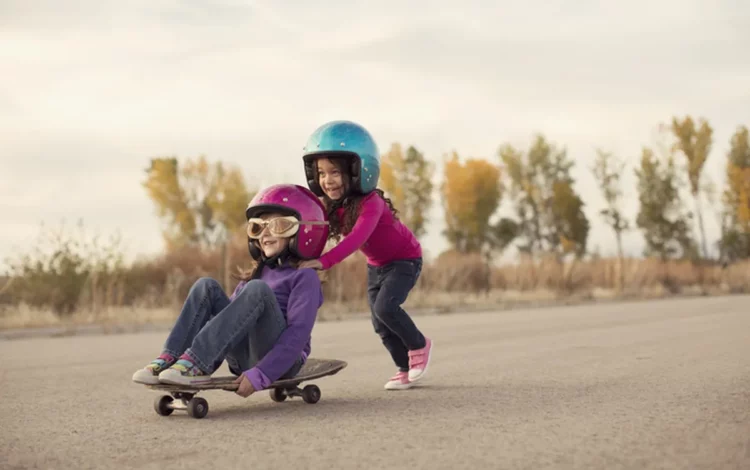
[(387, 288), (210, 328)]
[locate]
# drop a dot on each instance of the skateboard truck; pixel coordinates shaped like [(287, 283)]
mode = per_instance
[(310, 394), (196, 407)]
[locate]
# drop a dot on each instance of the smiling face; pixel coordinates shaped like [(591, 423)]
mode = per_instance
[(270, 244), (331, 178)]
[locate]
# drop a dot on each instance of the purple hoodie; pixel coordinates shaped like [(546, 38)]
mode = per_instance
[(299, 295)]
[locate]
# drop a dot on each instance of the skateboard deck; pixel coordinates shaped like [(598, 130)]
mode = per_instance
[(279, 390)]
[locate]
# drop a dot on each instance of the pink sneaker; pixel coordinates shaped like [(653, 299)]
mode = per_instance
[(419, 359), (399, 381)]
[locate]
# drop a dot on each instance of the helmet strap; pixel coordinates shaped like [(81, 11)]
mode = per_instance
[(276, 260)]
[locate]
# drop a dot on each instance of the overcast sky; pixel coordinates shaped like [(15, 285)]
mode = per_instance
[(90, 90)]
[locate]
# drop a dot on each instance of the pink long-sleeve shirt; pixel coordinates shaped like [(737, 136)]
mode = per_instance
[(377, 234)]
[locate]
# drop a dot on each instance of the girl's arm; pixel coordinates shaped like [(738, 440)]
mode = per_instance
[(372, 209), (305, 299)]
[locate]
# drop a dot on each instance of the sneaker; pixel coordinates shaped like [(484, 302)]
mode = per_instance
[(399, 381), (184, 372), (149, 375), (419, 359)]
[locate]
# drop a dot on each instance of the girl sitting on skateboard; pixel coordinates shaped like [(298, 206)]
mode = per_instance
[(263, 329), (342, 165)]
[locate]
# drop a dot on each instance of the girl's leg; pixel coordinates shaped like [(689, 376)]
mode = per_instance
[(252, 317), (391, 341), (397, 280), (205, 299), (259, 341)]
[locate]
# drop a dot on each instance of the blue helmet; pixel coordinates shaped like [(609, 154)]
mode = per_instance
[(344, 139)]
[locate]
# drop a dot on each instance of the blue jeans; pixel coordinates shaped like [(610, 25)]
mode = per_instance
[(210, 328), (387, 288)]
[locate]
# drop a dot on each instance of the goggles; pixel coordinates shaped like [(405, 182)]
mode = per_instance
[(282, 227)]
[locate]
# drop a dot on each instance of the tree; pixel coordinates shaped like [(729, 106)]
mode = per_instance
[(607, 170), (164, 189), (695, 144), (549, 211), (471, 194), (200, 203), (735, 239), (660, 216), (408, 182)]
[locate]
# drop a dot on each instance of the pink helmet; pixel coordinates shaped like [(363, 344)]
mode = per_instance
[(300, 202)]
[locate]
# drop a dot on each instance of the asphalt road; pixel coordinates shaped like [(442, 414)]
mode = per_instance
[(662, 384)]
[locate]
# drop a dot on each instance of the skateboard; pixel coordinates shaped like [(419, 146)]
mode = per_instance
[(182, 397)]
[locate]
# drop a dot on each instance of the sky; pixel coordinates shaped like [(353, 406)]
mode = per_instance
[(91, 90)]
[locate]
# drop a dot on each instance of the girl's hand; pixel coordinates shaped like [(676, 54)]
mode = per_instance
[(246, 388), (312, 263)]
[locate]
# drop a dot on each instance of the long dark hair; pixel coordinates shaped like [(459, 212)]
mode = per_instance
[(352, 204)]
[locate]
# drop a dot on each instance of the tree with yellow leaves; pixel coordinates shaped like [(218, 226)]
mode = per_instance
[(200, 203), (549, 210), (735, 239), (471, 194), (407, 179), (695, 145)]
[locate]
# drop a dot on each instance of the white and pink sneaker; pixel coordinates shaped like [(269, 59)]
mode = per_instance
[(399, 381), (419, 359)]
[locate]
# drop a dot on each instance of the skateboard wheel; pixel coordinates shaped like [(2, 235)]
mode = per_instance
[(162, 405), (311, 394), (278, 395), (197, 408)]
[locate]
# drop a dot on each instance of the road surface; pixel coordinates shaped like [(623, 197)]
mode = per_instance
[(658, 384)]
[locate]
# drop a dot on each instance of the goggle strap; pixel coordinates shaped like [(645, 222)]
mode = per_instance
[(312, 222)]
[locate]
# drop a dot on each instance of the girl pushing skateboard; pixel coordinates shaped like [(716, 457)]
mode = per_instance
[(342, 165)]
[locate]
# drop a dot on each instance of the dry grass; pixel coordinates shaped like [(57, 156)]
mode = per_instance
[(24, 316), (152, 291)]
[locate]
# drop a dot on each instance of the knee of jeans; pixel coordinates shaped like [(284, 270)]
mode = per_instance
[(205, 284), (380, 329), (255, 288), (385, 307)]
